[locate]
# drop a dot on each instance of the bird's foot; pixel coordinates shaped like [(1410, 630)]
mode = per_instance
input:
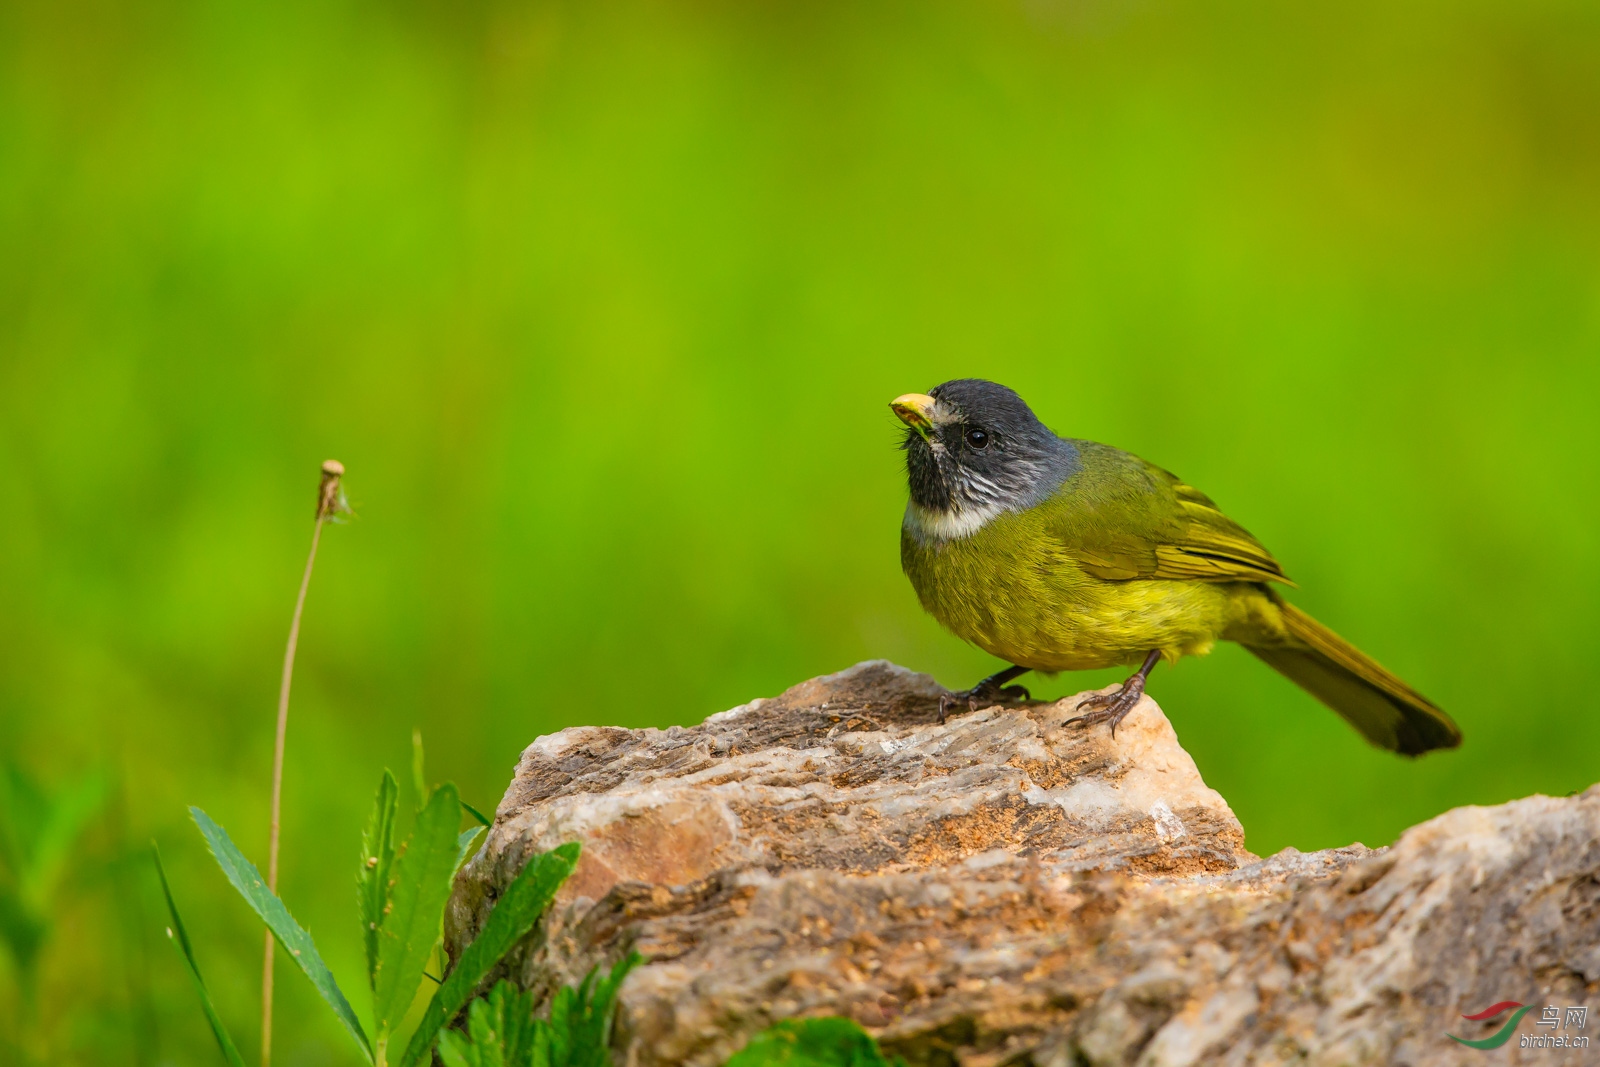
[(1110, 707), (983, 695)]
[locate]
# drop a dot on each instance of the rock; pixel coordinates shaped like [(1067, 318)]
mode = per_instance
[(1005, 890)]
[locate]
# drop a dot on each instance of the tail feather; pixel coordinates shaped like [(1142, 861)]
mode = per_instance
[(1387, 711)]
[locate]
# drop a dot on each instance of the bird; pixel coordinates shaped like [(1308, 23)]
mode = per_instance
[(1057, 554)]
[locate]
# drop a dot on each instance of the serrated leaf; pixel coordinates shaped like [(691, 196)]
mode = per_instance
[(416, 904), (580, 1019), (180, 940), (377, 862), (501, 1032), (828, 1042), (505, 1017), (514, 914), (295, 941)]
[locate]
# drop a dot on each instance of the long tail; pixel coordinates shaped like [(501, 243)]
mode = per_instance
[(1387, 711)]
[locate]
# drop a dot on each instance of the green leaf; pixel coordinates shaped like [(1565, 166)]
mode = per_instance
[(501, 1032), (37, 830), (69, 810), (416, 905), (20, 808), (457, 1050), (180, 940), (483, 820), (580, 1019), (524, 900), (464, 843), (377, 859), (24, 930), (827, 1042), (24, 808), (295, 941)]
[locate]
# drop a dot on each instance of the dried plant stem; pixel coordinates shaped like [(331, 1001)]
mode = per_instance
[(327, 503)]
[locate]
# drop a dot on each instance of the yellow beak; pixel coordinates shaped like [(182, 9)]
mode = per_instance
[(915, 410)]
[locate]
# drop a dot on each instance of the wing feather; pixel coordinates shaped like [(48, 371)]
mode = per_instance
[(1125, 518)]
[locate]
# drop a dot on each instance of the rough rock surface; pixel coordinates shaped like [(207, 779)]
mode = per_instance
[(1004, 890)]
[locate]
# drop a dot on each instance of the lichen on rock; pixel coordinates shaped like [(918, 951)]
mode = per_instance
[(1001, 889)]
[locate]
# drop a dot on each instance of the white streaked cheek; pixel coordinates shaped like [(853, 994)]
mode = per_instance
[(977, 486)]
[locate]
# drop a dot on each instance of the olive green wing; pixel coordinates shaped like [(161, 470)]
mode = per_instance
[(1123, 518)]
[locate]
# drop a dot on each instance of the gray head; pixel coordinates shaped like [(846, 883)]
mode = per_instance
[(974, 450)]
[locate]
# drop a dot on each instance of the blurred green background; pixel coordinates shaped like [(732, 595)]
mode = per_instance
[(601, 305)]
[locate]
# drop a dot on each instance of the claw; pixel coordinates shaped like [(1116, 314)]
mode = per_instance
[(982, 696), (1115, 706), (1109, 707)]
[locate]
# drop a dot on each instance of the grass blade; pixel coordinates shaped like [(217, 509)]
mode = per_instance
[(416, 905), (419, 780), (248, 881), (377, 861), (180, 940), (464, 843), (483, 820), (524, 900)]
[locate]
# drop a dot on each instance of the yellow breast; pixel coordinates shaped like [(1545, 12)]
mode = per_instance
[(1018, 593)]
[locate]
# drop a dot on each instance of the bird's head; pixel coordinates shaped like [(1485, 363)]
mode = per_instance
[(974, 449)]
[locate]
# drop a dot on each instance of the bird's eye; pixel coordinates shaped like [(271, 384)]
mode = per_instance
[(977, 438)]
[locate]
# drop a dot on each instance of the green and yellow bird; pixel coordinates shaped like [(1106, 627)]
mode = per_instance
[(1063, 555)]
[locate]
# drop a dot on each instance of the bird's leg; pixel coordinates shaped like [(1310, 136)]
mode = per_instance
[(992, 690), (1114, 707)]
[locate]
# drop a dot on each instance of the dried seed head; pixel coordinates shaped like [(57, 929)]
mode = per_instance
[(330, 501)]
